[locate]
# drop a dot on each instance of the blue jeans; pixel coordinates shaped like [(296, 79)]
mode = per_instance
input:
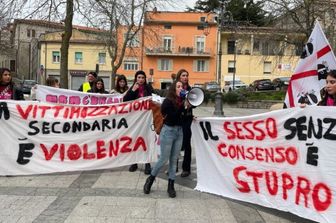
[(170, 145)]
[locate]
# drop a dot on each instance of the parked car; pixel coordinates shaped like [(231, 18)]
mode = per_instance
[(199, 85), (18, 82), (237, 85), (281, 83), (212, 86), (262, 84), (27, 85)]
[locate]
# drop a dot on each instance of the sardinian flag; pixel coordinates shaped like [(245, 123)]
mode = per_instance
[(309, 76)]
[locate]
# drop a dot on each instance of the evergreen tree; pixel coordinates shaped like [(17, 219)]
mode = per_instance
[(239, 10)]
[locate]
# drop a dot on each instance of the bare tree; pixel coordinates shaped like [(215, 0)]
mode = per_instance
[(65, 42), (122, 20), (300, 15)]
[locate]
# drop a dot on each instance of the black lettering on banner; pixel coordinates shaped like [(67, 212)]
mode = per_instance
[(312, 155), (207, 131), (4, 110), (328, 134), (24, 153)]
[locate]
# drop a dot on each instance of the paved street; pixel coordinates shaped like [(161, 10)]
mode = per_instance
[(116, 195)]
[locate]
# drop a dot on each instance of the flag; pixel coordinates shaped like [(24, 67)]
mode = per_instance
[(309, 76)]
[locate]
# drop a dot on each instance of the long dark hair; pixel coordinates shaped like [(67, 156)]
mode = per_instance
[(171, 95), (95, 89), (324, 93), (118, 88), (2, 71)]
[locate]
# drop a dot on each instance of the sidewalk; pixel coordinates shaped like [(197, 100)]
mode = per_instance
[(116, 195)]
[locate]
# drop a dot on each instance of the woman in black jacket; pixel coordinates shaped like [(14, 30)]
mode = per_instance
[(139, 89), (329, 92), (183, 76), (8, 90), (171, 137)]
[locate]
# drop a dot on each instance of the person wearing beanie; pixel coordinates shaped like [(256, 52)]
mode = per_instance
[(139, 89), (91, 78)]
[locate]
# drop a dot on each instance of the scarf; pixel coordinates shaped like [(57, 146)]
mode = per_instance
[(330, 101), (5, 92), (141, 91)]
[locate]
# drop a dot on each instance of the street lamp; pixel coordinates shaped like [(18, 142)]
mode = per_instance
[(218, 98)]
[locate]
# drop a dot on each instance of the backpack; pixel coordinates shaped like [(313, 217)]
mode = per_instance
[(158, 118)]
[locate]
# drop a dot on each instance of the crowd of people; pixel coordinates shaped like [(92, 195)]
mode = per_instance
[(176, 131)]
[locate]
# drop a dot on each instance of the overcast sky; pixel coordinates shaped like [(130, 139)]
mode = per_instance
[(182, 5)]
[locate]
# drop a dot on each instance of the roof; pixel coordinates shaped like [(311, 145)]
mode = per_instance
[(60, 25)]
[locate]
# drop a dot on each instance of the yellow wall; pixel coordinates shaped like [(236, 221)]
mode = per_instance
[(251, 67)]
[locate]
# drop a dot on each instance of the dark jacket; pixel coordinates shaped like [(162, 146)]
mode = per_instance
[(17, 94), (172, 114), (187, 114), (132, 95)]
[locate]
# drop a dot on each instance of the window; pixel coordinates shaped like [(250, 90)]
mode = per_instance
[(231, 66), (131, 64), (231, 46), (200, 44), (78, 57), (265, 48), (267, 67), (201, 65), (102, 58), (167, 43), (33, 33), (132, 41), (165, 65), (12, 65), (256, 44), (28, 32), (202, 19), (167, 26), (56, 56)]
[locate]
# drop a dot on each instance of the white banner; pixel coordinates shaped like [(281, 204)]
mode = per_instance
[(44, 138), (70, 97), (283, 159), (309, 76)]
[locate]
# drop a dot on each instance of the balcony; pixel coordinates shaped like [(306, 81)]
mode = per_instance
[(180, 51)]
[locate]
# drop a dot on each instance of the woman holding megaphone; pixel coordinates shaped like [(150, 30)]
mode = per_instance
[(183, 76), (171, 137)]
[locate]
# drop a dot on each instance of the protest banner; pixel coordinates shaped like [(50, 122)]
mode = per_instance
[(70, 97), (283, 159), (309, 76), (41, 138)]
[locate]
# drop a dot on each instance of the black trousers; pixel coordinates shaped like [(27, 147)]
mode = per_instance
[(186, 145)]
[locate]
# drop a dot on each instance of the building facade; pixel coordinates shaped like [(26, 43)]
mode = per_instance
[(251, 53), (86, 52), (176, 40)]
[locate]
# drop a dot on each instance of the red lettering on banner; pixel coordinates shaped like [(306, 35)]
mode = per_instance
[(244, 185), (49, 154), (275, 155), (252, 130), (101, 151), (86, 154), (318, 203), (125, 147), (272, 190), (34, 110), (75, 152), (24, 113), (319, 195)]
